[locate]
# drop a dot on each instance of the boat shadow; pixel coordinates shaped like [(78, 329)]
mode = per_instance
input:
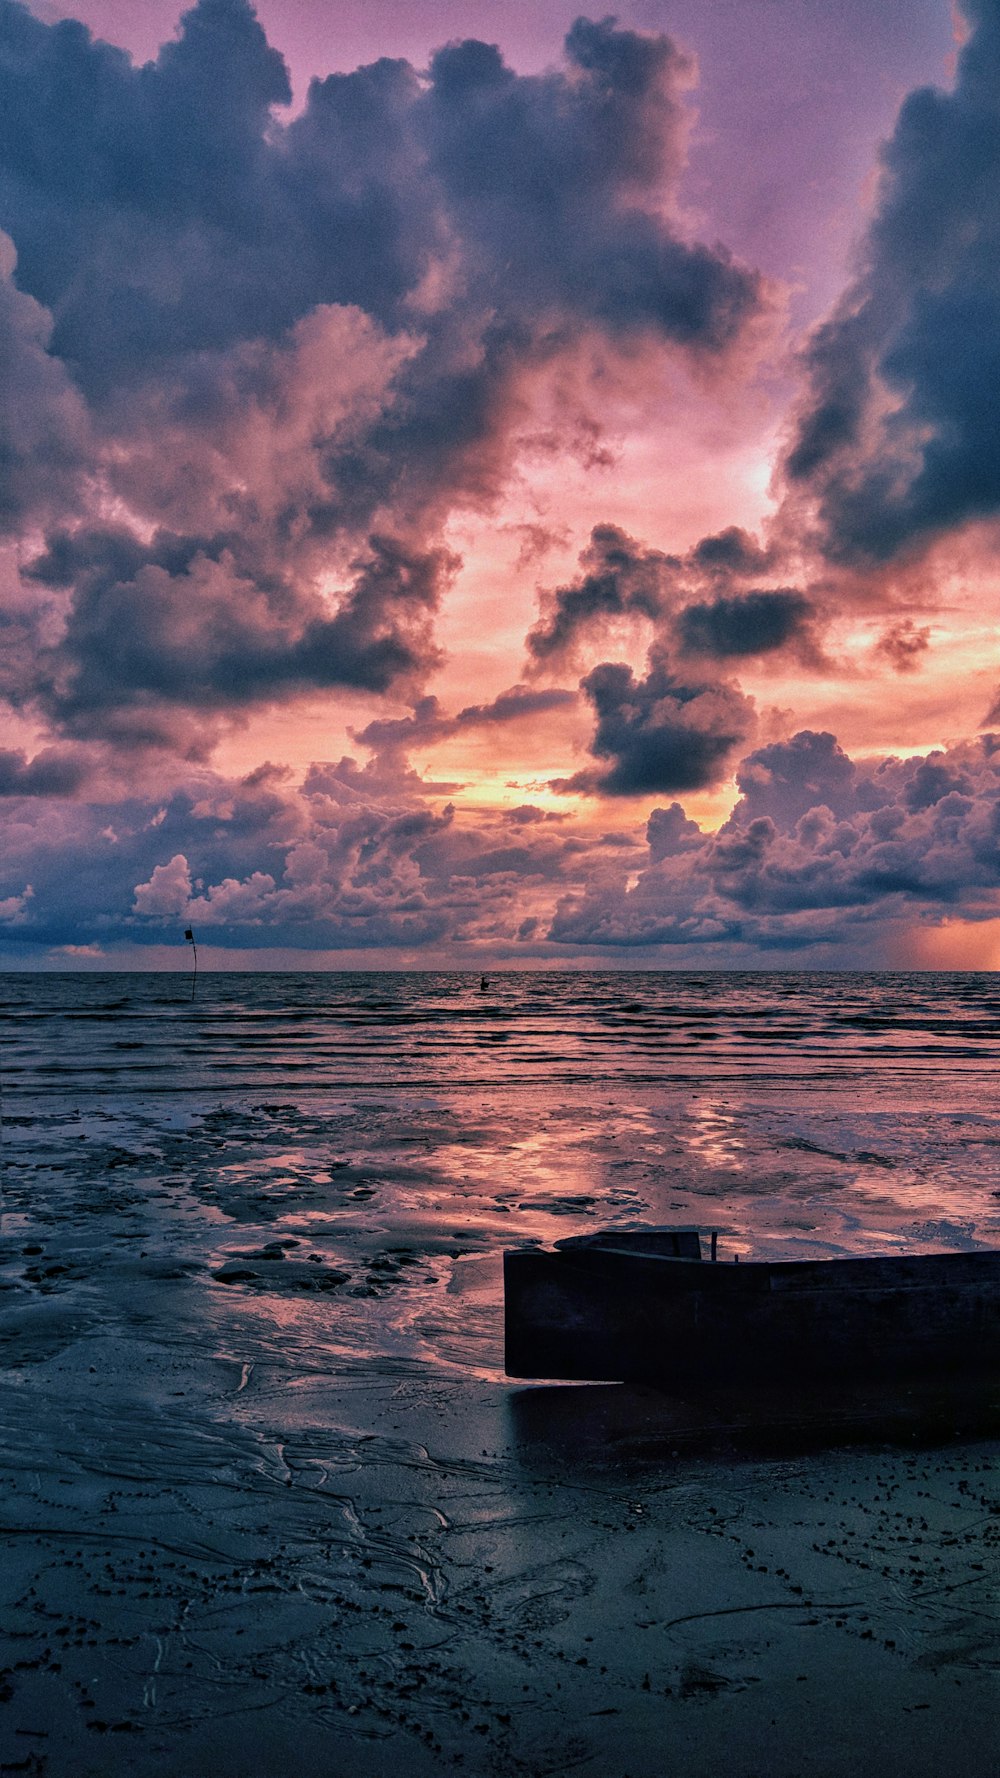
[(597, 1424)]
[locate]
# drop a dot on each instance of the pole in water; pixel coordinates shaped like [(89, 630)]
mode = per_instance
[(189, 935)]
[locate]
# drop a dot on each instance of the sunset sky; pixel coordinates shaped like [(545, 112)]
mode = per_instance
[(486, 486)]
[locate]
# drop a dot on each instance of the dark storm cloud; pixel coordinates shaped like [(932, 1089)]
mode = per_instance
[(184, 621), (730, 552), (291, 335), (661, 733), (898, 439), (558, 179), (55, 771), (133, 195), (746, 624), (619, 577), (548, 183), (818, 849), (44, 435)]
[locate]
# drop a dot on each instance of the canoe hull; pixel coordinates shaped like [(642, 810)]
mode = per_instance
[(609, 1316)]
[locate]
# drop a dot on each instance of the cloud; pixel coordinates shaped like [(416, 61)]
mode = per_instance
[(529, 815), (819, 851), (696, 604), (343, 861), (903, 644), (14, 908), (192, 623), (428, 724), (44, 434), (896, 441), (786, 779), (168, 891), (273, 347), (54, 771), (992, 716), (751, 623), (661, 732), (253, 365), (619, 577), (669, 831), (731, 552), (560, 179)]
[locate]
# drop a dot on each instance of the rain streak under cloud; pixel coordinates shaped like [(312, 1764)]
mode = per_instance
[(428, 537)]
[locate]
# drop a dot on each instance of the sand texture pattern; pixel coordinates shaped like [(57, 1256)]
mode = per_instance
[(269, 1506)]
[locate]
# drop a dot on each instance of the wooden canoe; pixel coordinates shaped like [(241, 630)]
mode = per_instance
[(642, 1305)]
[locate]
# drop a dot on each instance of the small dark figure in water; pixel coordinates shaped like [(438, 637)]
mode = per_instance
[(483, 983)]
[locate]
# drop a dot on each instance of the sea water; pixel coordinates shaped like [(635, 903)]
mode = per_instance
[(362, 1147)]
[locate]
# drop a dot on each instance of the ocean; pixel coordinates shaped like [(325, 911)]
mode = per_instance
[(404, 1128)]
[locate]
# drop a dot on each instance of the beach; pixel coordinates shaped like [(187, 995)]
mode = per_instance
[(269, 1503)]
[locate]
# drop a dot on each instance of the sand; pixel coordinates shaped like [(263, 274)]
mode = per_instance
[(269, 1506)]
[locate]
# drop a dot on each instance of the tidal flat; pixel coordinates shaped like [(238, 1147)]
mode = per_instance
[(269, 1504)]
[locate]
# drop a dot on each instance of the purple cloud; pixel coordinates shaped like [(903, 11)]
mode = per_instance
[(818, 849), (897, 440), (277, 345), (661, 732)]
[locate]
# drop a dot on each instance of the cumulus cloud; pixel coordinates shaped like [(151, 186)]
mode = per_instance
[(344, 860), (818, 848), (897, 440), (14, 908), (784, 780), (696, 604), (274, 347), (821, 850), (168, 890), (660, 732), (182, 621), (669, 831)]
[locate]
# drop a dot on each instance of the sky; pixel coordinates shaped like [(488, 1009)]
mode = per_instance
[(488, 486)]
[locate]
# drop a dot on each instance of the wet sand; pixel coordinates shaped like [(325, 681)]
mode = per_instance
[(269, 1505)]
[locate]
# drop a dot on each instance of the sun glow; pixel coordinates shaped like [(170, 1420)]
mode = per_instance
[(955, 944)]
